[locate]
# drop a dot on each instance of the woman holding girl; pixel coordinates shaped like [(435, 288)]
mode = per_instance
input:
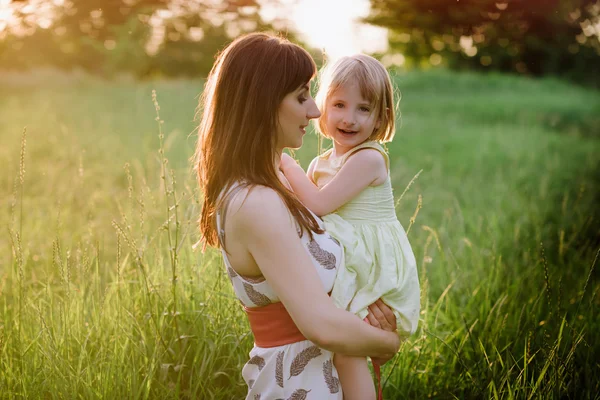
[(281, 261)]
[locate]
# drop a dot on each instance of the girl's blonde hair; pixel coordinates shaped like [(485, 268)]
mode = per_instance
[(237, 135), (375, 86)]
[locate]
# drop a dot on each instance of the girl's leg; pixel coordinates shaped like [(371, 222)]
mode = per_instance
[(355, 377)]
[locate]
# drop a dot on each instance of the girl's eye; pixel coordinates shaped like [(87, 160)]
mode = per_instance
[(338, 105), (302, 99), (365, 109)]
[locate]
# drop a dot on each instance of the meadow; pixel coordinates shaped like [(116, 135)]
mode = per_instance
[(103, 294)]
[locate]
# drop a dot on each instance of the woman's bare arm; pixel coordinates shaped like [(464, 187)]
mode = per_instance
[(267, 230)]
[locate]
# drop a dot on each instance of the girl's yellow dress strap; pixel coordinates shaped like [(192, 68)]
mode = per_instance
[(369, 144)]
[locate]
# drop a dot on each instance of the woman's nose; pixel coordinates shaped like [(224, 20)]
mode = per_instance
[(313, 111)]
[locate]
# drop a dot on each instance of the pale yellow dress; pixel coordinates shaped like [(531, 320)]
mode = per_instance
[(379, 261)]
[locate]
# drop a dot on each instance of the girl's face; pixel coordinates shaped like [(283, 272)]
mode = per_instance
[(296, 109), (350, 119)]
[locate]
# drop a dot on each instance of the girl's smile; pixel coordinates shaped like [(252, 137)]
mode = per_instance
[(350, 119)]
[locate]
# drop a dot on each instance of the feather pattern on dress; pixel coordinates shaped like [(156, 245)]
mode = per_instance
[(333, 383), (299, 394), (256, 297), (258, 361), (279, 369), (254, 279), (231, 272), (323, 257), (302, 359)]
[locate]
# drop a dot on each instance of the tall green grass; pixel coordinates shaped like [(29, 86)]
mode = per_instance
[(102, 294)]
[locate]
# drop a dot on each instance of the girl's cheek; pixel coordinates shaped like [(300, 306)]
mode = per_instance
[(332, 115)]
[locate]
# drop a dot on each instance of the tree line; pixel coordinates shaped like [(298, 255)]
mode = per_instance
[(175, 38)]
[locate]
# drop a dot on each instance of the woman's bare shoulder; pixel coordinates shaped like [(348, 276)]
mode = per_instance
[(257, 205)]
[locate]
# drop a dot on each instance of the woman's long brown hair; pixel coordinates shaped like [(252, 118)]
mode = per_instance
[(237, 136)]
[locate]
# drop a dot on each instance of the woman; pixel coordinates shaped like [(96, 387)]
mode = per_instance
[(282, 264)]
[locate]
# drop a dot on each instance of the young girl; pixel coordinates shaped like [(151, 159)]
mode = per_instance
[(350, 186)]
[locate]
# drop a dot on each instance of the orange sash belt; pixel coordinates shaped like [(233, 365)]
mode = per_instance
[(272, 326)]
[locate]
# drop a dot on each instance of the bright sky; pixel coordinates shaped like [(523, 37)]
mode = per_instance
[(333, 26)]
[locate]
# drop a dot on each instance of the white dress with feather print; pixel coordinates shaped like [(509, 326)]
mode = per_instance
[(296, 371)]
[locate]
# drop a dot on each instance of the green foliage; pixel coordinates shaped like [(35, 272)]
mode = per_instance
[(103, 296), (129, 54), (527, 37)]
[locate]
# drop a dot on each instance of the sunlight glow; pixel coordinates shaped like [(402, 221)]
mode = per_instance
[(22, 18), (332, 25), (7, 16)]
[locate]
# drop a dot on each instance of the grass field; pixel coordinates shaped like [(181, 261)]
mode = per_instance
[(102, 295)]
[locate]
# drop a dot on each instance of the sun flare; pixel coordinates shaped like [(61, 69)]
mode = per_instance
[(334, 26), (7, 16)]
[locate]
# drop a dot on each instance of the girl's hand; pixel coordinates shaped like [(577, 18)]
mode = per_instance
[(286, 162), (381, 316)]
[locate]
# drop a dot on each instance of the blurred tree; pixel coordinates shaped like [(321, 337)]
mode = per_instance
[(143, 37), (195, 32), (94, 27), (524, 36), (81, 33)]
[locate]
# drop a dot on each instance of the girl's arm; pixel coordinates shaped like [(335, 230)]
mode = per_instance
[(360, 170), (311, 169), (264, 226)]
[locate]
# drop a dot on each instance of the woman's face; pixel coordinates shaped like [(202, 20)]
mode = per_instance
[(295, 111)]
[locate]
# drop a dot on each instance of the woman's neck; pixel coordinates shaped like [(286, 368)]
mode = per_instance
[(280, 174), (277, 158)]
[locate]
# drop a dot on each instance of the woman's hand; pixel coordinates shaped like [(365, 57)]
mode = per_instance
[(382, 360), (381, 316)]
